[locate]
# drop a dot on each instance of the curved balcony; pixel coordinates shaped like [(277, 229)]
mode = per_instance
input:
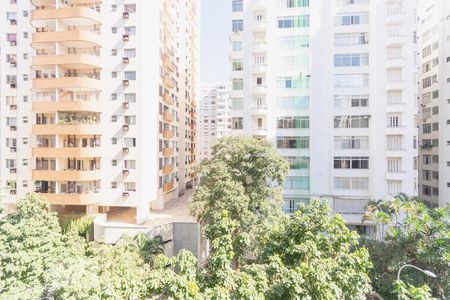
[(167, 187), (54, 106), (70, 83), (67, 152), (395, 62), (259, 69), (396, 18), (78, 15), (259, 47), (259, 89), (259, 110), (259, 26), (83, 38), (168, 82), (75, 129), (396, 85), (167, 152), (167, 99), (167, 117), (167, 169), (168, 134), (51, 175), (259, 132), (71, 61), (396, 40), (72, 199)]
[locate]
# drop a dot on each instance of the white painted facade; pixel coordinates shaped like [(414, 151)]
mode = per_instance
[(213, 117), (434, 99), (332, 85)]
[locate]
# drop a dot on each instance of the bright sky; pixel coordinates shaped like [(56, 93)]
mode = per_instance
[(214, 32)]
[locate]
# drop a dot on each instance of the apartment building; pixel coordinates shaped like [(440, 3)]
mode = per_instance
[(332, 85), (111, 122), (434, 100), (213, 117)]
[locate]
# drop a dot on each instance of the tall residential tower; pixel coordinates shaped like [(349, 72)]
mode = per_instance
[(434, 100), (111, 125), (331, 83)]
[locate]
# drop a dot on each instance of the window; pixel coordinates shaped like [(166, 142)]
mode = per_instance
[(130, 164), (351, 121), (114, 30), (130, 97), (129, 53), (114, 162), (237, 25), (237, 122), (351, 80), (292, 122), (293, 41), (351, 39), (351, 60), (348, 19), (394, 187), (297, 142), (237, 65), (129, 142), (238, 84), (297, 3), (114, 185), (298, 162), (394, 165), (293, 21), (129, 186), (351, 142), (113, 118), (114, 74), (237, 46), (114, 141), (114, 52), (394, 142), (297, 183), (347, 101), (351, 162), (292, 82), (130, 120), (129, 30), (237, 103), (351, 183), (293, 102), (129, 8), (130, 75), (394, 121), (237, 5)]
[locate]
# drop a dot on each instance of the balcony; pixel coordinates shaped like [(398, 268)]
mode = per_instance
[(258, 69), (395, 62), (167, 99), (167, 63), (52, 175), (259, 89), (168, 134), (395, 17), (67, 152), (72, 199), (78, 15), (259, 47), (395, 85), (54, 106), (259, 4), (259, 132), (259, 110), (80, 83), (70, 61), (168, 82), (72, 129), (395, 39), (167, 116), (259, 26), (89, 38), (167, 152), (167, 187), (167, 169)]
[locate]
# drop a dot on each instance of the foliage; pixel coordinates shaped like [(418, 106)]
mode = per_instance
[(417, 235), (407, 292), (244, 177), (82, 226)]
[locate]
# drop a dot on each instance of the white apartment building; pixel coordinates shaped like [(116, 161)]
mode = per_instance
[(214, 119), (434, 100), (331, 83), (98, 103)]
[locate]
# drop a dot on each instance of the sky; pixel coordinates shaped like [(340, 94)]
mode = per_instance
[(215, 26)]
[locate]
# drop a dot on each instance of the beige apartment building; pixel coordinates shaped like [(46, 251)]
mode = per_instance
[(100, 103)]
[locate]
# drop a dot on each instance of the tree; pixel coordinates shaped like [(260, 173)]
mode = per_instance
[(244, 177), (415, 234)]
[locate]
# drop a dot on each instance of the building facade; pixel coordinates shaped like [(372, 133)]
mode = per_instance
[(332, 85), (108, 103), (213, 117), (434, 100)]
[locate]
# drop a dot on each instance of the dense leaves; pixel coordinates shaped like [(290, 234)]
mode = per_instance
[(414, 234)]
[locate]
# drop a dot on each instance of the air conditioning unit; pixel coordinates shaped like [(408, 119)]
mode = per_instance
[(125, 104), (126, 82), (13, 43), (125, 127), (13, 64), (13, 22), (12, 128), (13, 170), (13, 149), (126, 150), (125, 60), (126, 195), (125, 172), (126, 15), (125, 37), (13, 107), (12, 192), (13, 85)]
